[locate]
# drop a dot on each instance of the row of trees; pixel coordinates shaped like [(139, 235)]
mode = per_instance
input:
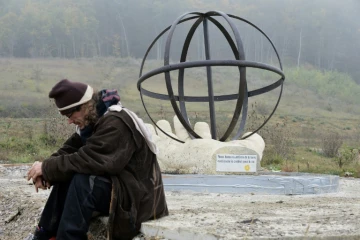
[(77, 28), (304, 32)]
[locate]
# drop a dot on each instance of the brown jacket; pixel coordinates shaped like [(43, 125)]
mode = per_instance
[(118, 150)]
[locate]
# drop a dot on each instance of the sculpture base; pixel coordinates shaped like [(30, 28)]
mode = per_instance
[(263, 183)]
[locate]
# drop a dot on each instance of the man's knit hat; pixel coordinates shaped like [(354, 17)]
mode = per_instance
[(69, 95)]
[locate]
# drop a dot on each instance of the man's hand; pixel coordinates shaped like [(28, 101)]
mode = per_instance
[(40, 183), (35, 171)]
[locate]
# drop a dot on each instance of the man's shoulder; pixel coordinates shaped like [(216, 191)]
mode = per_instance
[(116, 117), (112, 114)]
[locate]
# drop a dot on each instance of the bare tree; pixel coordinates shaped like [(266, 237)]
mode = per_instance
[(300, 45)]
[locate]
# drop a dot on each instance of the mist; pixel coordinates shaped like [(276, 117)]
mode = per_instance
[(322, 34)]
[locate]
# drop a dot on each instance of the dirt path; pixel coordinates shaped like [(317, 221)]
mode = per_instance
[(217, 216)]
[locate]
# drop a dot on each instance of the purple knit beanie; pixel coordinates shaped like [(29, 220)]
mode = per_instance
[(68, 95)]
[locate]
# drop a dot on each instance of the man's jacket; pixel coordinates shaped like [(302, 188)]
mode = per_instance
[(117, 150)]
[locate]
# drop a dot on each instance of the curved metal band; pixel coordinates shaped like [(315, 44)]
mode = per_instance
[(242, 84), (168, 77), (236, 54), (206, 98), (193, 64), (182, 71), (155, 40)]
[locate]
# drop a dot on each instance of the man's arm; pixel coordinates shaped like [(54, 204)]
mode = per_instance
[(71, 145), (107, 151)]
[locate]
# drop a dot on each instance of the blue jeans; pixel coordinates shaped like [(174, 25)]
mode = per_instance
[(70, 206)]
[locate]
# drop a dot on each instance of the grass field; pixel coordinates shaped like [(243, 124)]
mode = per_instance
[(308, 113)]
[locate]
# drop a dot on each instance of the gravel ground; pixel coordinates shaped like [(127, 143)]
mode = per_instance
[(232, 216), (207, 215)]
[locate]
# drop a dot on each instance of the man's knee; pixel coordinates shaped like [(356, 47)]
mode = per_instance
[(80, 181)]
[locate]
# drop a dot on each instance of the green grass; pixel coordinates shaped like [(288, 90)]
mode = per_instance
[(312, 162)]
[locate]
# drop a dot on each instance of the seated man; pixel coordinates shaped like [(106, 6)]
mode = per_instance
[(108, 166)]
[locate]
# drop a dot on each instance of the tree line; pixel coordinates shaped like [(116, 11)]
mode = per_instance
[(321, 33)]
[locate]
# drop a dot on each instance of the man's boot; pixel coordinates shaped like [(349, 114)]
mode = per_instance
[(40, 234)]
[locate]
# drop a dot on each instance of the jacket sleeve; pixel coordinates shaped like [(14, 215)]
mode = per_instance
[(71, 145), (106, 152)]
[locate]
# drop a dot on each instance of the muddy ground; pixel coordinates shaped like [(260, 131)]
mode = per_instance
[(208, 215)]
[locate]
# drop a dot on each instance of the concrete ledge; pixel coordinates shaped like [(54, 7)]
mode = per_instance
[(168, 230), (275, 183), (164, 229)]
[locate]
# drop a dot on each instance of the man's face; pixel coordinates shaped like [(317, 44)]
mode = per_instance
[(77, 118)]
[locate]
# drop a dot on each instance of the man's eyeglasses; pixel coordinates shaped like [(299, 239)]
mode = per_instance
[(69, 115), (76, 109)]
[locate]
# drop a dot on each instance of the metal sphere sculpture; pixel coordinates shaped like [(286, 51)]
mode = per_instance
[(240, 62)]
